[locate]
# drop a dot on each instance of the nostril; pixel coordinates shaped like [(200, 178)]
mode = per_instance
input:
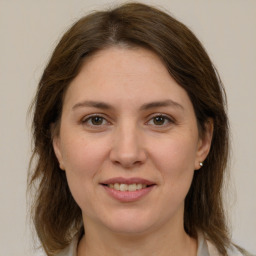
[(128, 156), (128, 164)]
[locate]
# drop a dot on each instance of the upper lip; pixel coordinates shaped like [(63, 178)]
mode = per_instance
[(133, 180)]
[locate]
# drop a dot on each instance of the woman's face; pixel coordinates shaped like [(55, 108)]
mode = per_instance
[(129, 142)]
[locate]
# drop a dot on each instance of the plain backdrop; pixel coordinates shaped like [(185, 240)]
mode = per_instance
[(30, 29)]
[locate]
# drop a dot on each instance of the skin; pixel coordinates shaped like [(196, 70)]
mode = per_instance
[(128, 140)]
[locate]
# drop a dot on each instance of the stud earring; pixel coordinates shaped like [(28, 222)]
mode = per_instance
[(201, 164)]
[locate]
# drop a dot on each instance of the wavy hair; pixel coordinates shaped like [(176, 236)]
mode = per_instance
[(57, 217)]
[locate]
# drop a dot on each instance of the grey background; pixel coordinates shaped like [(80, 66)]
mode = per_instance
[(30, 29)]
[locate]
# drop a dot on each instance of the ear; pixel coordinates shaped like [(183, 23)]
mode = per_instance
[(57, 148), (204, 143)]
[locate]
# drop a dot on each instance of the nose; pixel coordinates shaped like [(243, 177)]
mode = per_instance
[(127, 148)]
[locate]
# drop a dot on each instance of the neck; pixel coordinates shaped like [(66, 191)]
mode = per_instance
[(162, 242)]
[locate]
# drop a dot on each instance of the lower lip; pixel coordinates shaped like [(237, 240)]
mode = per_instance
[(128, 196)]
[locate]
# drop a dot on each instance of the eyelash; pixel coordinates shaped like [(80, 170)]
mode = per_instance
[(166, 118), (90, 118), (88, 121)]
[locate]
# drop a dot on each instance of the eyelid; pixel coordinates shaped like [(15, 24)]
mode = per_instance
[(170, 119), (86, 118), (93, 115)]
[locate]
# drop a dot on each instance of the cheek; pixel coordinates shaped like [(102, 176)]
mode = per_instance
[(83, 160), (82, 157), (175, 155), (175, 159)]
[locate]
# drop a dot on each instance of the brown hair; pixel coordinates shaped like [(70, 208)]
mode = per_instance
[(56, 215)]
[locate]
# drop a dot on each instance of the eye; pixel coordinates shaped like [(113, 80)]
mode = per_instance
[(160, 120), (95, 120)]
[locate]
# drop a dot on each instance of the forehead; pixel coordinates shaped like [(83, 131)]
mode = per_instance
[(122, 60), (124, 74)]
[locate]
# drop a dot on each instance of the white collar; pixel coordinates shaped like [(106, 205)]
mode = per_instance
[(205, 248)]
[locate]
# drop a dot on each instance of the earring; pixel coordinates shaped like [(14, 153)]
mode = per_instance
[(201, 164)]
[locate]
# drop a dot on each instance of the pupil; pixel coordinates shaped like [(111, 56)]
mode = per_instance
[(97, 120), (159, 120)]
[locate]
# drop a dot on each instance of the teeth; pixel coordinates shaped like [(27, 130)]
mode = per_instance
[(123, 187), (126, 187), (116, 186), (132, 187), (139, 186)]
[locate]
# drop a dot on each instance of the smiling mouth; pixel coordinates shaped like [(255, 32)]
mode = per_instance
[(128, 190), (127, 187)]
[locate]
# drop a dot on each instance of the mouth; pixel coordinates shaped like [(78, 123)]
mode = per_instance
[(127, 190), (127, 187)]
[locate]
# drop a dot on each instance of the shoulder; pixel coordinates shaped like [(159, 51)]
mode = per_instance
[(207, 248), (231, 251)]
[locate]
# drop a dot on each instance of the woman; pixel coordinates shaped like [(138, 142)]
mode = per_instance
[(131, 140)]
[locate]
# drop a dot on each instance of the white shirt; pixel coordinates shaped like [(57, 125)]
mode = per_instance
[(205, 248)]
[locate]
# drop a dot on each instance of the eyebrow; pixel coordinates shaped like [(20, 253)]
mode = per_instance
[(164, 103), (146, 106), (95, 104)]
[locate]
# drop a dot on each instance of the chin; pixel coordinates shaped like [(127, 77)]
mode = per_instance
[(130, 223), (128, 229)]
